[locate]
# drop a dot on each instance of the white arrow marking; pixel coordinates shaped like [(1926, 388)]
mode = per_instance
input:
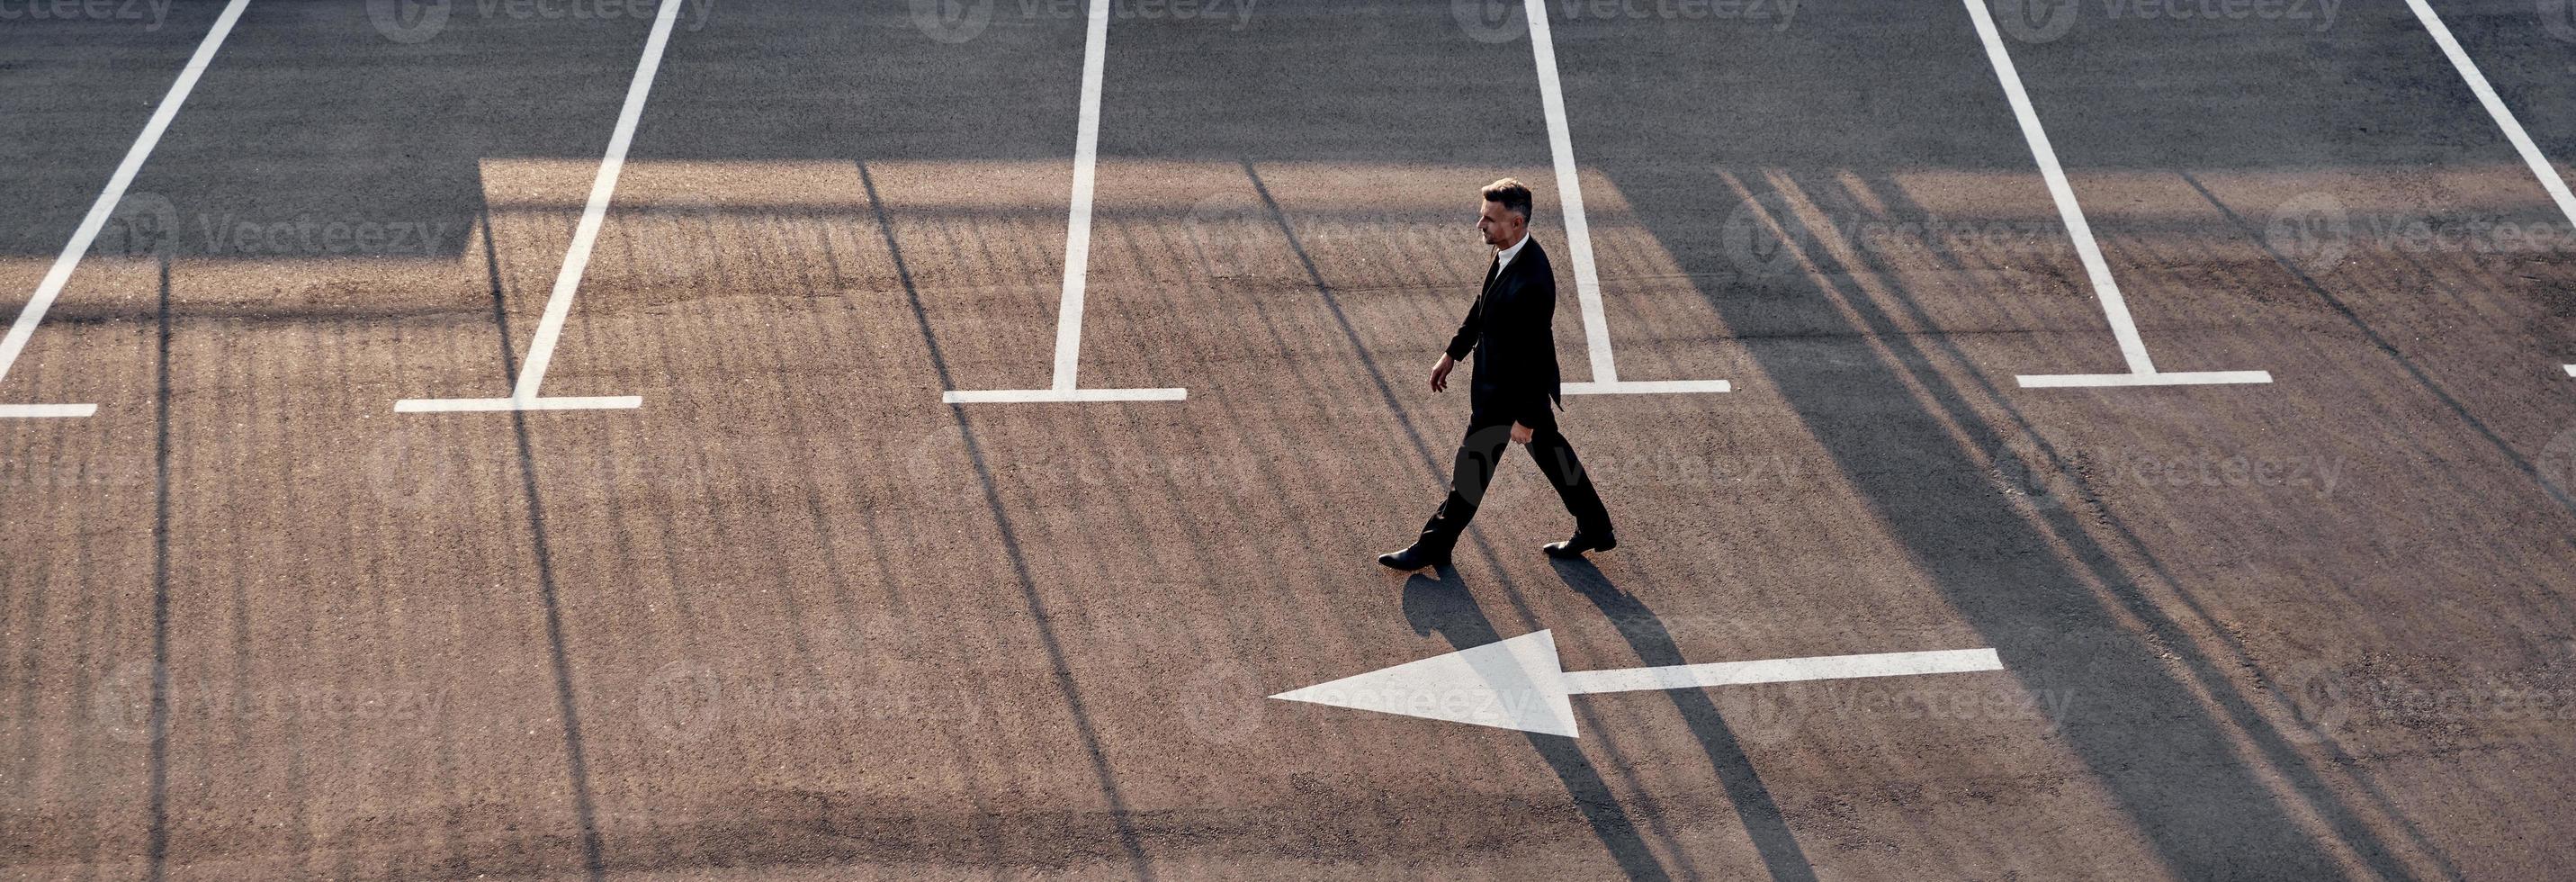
[(1520, 684)]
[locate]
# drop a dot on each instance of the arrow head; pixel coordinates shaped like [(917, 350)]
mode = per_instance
[(1508, 684)]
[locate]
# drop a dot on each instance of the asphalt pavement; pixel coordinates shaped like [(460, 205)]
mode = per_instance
[(796, 617)]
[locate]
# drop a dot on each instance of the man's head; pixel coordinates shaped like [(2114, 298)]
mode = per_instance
[(1507, 213)]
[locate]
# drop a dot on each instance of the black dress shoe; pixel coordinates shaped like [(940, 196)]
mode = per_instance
[(1414, 557), (1581, 543)]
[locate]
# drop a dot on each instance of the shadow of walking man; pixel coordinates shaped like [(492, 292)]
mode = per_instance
[(1654, 645), (1442, 605)]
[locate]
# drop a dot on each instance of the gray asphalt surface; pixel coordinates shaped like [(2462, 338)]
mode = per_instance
[(796, 618)]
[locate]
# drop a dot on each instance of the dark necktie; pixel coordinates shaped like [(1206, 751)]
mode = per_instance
[(1495, 268)]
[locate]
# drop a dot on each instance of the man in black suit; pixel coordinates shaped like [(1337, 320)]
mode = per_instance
[(1512, 392)]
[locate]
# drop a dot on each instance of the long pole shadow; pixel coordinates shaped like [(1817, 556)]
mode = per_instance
[(1654, 645), (1040, 616), (594, 859), (156, 848), (1341, 318), (1443, 605)]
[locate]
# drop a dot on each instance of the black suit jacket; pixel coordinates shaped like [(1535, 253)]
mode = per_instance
[(1512, 332)]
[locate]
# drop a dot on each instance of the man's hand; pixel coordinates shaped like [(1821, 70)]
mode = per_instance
[(1440, 373), (1520, 433)]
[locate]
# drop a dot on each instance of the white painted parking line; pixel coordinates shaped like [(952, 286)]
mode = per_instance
[(1645, 387), (2182, 378), (1006, 396), (46, 411), (1578, 231), (2133, 349), (1077, 249), (2504, 118), (99, 211), (1784, 670), (541, 348), (472, 405), (1521, 684)]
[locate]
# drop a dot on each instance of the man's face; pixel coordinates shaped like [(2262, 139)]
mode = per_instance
[(1500, 226)]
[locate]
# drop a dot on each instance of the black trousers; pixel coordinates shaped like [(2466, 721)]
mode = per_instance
[(1482, 451)]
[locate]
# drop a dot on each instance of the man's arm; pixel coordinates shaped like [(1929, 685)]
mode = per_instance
[(1459, 345), (1465, 340)]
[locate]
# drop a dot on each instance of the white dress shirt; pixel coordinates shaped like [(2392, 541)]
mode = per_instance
[(1504, 258)]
